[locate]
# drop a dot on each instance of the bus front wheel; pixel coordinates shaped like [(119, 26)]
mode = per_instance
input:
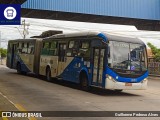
[(84, 82), (118, 90), (48, 75)]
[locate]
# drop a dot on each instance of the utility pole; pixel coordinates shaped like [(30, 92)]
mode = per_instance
[(25, 31)]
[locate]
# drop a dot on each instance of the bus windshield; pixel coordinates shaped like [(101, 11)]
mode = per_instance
[(128, 58)]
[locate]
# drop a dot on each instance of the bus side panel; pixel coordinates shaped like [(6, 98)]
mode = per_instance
[(73, 69), (62, 65), (31, 62), (64, 68), (51, 61), (24, 60), (38, 47)]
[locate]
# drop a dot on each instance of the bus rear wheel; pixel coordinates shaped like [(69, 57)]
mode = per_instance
[(19, 71), (84, 82), (48, 75)]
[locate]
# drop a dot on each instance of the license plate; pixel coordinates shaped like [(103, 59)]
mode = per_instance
[(128, 84)]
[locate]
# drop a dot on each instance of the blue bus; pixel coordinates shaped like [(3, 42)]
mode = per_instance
[(104, 60)]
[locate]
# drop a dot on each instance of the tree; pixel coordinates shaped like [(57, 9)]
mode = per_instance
[(3, 52), (155, 51)]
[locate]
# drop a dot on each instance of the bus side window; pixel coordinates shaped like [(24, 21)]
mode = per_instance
[(24, 48), (45, 49), (76, 48), (85, 50), (71, 44), (31, 48), (72, 48), (19, 48), (53, 48)]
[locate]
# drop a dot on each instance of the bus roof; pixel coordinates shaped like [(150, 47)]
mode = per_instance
[(123, 38), (22, 40), (109, 36)]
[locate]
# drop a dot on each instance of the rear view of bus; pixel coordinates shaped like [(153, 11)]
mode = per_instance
[(127, 64)]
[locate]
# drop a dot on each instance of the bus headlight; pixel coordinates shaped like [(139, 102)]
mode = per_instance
[(110, 77), (145, 80)]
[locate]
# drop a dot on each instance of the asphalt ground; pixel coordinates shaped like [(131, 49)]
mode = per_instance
[(28, 93)]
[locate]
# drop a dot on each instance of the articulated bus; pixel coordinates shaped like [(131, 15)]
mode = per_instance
[(24, 54), (103, 60)]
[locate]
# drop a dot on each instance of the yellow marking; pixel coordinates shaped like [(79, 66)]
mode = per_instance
[(4, 118), (20, 108)]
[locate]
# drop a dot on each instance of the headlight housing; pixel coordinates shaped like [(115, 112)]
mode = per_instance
[(110, 77), (144, 80)]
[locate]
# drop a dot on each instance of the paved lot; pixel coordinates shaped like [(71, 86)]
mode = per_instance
[(27, 93)]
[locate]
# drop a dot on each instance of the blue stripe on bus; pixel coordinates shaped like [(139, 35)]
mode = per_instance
[(72, 71), (123, 79), (24, 68), (105, 39)]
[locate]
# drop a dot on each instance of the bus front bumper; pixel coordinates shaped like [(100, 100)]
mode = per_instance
[(114, 85)]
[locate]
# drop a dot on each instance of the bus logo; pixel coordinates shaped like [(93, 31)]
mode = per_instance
[(10, 13), (132, 67)]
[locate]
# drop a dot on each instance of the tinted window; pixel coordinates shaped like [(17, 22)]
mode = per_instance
[(49, 48)]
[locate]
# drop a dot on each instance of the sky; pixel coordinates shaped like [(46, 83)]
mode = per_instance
[(37, 26)]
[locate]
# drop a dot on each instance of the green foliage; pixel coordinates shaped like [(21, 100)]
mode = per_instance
[(155, 51), (3, 52)]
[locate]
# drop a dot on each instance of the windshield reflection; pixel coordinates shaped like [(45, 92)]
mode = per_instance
[(128, 56)]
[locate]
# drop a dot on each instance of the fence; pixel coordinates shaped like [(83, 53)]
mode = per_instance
[(154, 68)]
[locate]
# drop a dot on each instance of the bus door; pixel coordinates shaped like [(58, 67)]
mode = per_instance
[(98, 63), (13, 55), (61, 57)]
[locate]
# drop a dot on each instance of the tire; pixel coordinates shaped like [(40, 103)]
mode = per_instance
[(48, 75), (84, 82), (19, 68), (118, 90)]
